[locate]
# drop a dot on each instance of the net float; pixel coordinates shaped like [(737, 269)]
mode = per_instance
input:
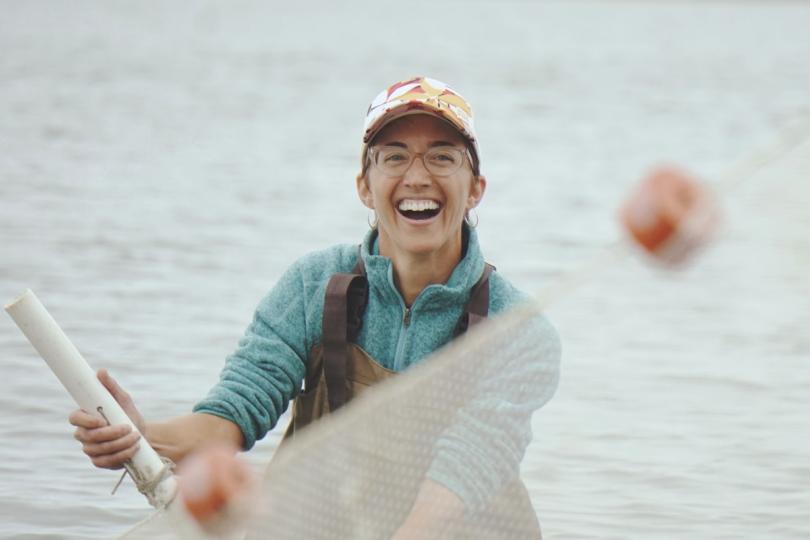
[(670, 215), (216, 489)]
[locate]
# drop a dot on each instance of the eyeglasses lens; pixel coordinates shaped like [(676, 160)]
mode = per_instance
[(439, 161)]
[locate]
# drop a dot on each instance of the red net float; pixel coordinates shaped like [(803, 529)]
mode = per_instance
[(670, 215), (215, 487)]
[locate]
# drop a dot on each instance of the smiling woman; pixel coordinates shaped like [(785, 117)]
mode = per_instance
[(347, 317)]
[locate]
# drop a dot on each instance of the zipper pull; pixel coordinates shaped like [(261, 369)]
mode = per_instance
[(406, 317)]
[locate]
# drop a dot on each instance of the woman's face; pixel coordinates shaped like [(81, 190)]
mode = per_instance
[(419, 213)]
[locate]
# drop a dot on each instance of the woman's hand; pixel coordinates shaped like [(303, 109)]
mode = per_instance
[(108, 447)]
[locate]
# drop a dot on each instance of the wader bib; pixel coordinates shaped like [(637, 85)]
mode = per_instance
[(339, 370)]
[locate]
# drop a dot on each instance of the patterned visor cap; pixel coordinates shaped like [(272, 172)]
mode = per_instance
[(420, 95)]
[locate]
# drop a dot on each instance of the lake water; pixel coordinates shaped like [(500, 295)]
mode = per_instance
[(160, 168)]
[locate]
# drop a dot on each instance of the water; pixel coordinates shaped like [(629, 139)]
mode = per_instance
[(159, 169)]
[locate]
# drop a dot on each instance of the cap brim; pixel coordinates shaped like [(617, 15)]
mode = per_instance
[(407, 109)]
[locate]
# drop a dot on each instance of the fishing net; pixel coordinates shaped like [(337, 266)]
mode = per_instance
[(463, 415), (460, 418)]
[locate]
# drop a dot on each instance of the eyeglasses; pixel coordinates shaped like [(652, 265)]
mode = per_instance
[(439, 161)]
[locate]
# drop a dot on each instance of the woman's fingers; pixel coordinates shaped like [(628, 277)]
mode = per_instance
[(122, 397), (102, 434), (83, 419), (111, 447), (114, 461), (107, 446)]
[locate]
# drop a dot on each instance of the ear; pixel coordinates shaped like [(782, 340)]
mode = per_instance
[(363, 191), (479, 186)]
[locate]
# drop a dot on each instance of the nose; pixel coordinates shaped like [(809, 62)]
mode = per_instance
[(417, 174)]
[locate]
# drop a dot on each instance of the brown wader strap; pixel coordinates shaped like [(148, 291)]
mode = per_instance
[(345, 301), (344, 304), (478, 305)]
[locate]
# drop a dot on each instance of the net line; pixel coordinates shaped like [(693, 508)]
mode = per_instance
[(357, 473)]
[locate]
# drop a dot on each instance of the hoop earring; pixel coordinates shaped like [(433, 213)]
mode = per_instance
[(469, 221), (372, 223)]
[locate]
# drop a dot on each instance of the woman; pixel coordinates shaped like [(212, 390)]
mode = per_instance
[(417, 280)]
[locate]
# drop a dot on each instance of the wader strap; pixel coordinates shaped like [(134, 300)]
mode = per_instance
[(477, 307), (344, 304)]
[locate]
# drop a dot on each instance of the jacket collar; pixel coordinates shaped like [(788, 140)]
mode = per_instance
[(380, 273)]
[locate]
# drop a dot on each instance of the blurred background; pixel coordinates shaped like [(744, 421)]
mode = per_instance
[(161, 164)]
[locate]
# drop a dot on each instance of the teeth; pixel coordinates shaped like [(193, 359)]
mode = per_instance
[(418, 205)]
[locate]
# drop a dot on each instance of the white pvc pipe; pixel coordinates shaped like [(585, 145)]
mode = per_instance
[(81, 382)]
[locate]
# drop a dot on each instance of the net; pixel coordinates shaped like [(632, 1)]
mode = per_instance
[(461, 418)]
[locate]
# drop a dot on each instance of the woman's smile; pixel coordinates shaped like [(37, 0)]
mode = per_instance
[(421, 211)]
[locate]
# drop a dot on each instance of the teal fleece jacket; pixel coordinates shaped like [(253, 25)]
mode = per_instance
[(267, 369)]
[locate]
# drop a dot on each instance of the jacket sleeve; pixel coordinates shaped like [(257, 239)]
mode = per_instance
[(266, 370), (506, 380)]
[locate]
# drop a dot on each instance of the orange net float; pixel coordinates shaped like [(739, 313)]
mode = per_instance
[(670, 215), (216, 488)]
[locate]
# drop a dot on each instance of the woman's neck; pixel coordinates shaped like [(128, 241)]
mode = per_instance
[(415, 271)]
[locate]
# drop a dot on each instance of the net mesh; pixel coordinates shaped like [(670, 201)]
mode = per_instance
[(460, 419), (463, 415)]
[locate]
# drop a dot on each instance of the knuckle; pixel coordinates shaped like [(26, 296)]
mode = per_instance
[(92, 450), (120, 457), (109, 433), (104, 448)]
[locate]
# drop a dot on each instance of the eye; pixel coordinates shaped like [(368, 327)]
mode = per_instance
[(443, 157), (394, 157)]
